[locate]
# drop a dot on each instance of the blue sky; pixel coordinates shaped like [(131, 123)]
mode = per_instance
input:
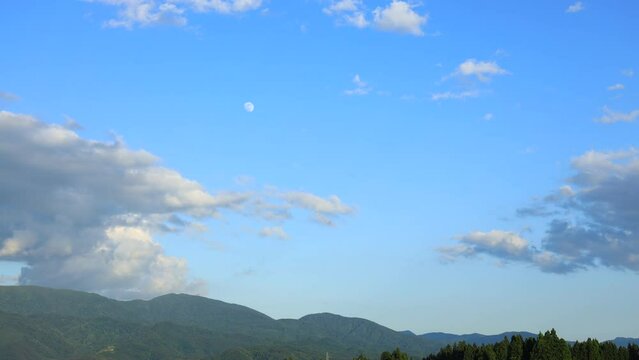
[(432, 166)]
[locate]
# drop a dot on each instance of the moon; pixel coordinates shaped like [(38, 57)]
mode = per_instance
[(249, 107)]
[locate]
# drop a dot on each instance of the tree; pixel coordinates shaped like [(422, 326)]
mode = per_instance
[(395, 355), (633, 352), (550, 347), (516, 348), (501, 349), (609, 351), (486, 352)]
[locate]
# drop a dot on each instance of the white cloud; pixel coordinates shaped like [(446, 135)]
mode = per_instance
[(7, 96), (399, 16), (483, 70), (448, 95), (361, 87), (497, 241), (249, 107), (274, 232), (224, 6), (349, 12), (611, 117), (356, 19), (628, 72), (323, 209), (83, 214), (343, 6), (616, 87), (143, 13), (489, 116), (576, 7), (507, 246)]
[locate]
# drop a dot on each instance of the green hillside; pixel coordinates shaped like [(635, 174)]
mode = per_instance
[(62, 324), (41, 323)]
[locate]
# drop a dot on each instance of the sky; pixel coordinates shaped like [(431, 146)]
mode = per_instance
[(429, 165)]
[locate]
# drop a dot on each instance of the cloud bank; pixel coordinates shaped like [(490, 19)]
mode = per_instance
[(593, 221), (83, 214)]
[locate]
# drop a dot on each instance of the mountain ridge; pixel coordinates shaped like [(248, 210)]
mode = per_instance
[(91, 326)]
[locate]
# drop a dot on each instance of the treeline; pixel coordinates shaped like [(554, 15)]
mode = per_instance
[(546, 346)]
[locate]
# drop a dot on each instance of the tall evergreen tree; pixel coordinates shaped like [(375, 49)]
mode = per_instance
[(501, 349), (516, 348), (551, 347)]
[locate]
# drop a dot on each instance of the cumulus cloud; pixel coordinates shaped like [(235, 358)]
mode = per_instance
[(143, 13), (482, 70), (399, 16), (275, 232), (595, 221), (361, 87), (610, 117), (449, 95), (83, 214), (575, 8)]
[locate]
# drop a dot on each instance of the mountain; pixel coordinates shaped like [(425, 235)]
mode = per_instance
[(90, 326), (41, 323), (474, 338), (623, 341)]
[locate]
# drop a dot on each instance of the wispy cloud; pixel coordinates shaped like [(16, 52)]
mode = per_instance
[(7, 96), (610, 117), (142, 13), (575, 8), (628, 72), (361, 87), (616, 87), (274, 232), (349, 12), (449, 95)]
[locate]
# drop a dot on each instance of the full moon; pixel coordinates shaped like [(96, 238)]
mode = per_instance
[(249, 107)]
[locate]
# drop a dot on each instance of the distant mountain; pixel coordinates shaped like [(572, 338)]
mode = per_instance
[(622, 341), (475, 338)]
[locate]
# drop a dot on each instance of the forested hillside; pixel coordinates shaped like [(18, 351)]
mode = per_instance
[(40, 323)]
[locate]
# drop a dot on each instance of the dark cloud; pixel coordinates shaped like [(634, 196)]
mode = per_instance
[(595, 220)]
